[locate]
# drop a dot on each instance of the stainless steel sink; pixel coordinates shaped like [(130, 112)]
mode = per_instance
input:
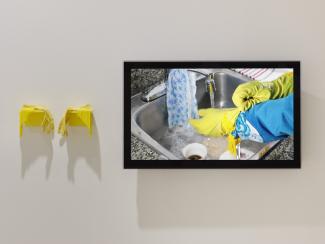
[(149, 120)]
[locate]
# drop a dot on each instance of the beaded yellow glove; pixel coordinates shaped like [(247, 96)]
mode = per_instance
[(35, 115), (76, 116)]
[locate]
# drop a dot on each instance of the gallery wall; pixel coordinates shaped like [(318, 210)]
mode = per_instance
[(61, 53)]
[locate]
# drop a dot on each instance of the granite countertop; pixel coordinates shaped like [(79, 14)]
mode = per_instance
[(284, 151), (140, 151)]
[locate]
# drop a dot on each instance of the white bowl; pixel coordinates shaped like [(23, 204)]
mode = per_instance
[(195, 149)]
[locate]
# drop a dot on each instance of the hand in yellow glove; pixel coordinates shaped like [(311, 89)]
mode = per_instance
[(248, 94), (215, 122)]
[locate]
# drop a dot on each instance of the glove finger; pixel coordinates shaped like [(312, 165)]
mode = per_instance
[(232, 143), (205, 111), (196, 124), (202, 126)]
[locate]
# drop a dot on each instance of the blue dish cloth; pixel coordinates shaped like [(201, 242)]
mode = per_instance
[(181, 101), (267, 121)]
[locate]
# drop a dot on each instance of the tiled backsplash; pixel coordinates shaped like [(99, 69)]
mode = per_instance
[(141, 79)]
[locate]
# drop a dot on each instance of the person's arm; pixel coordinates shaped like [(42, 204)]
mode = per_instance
[(267, 121)]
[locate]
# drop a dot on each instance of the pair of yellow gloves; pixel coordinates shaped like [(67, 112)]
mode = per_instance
[(221, 122), (34, 115)]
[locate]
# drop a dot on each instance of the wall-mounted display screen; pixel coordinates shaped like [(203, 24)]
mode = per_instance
[(212, 114)]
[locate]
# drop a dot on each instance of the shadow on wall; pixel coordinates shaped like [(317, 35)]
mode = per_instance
[(35, 144), (239, 198), (80, 145)]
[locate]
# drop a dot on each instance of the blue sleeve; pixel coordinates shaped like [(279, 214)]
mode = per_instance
[(272, 119)]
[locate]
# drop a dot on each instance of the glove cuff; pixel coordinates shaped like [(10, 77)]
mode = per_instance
[(281, 87)]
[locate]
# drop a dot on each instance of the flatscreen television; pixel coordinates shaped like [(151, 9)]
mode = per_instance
[(212, 114)]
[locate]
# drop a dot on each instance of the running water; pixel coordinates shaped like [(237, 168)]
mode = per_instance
[(211, 92)]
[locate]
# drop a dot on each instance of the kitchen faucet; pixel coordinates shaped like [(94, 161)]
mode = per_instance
[(210, 85), (160, 90)]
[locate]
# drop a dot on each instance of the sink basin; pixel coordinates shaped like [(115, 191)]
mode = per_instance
[(149, 120)]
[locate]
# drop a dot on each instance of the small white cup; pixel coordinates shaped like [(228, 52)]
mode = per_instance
[(195, 151)]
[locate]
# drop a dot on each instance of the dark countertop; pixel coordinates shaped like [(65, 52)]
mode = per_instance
[(139, 150), (284, 151)]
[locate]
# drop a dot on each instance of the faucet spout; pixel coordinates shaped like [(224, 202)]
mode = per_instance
[(199, 72), (210, 85)]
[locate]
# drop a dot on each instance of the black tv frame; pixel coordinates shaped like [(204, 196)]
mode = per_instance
[(192, 164)]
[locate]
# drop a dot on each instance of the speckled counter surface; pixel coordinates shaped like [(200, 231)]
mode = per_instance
[(284, 151), (139, 150)]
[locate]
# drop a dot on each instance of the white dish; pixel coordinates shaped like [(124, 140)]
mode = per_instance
[(245, 154), (194, 150)]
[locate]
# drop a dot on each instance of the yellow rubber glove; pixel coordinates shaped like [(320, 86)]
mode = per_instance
[(232, 143), (35, 115), (76, 116), (248, 94), (215, 122)]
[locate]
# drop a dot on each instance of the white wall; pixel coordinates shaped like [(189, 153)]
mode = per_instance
[(65, 52)]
